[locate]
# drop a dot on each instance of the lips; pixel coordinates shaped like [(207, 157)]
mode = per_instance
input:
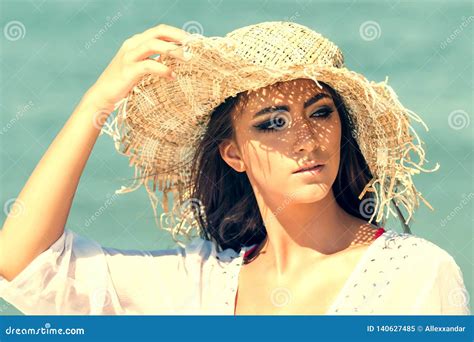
[(309, 166)]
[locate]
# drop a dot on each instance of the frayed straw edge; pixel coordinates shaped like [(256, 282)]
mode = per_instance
[(409, 195), (165, 183)]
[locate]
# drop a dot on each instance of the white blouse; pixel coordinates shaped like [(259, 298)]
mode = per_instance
[(398, 274)]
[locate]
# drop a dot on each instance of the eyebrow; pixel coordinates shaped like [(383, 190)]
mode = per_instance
[(308, 103)]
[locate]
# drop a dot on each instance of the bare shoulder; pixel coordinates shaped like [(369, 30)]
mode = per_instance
[(364, 232)]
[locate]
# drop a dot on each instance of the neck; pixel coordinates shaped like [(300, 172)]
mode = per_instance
[(296, 231)]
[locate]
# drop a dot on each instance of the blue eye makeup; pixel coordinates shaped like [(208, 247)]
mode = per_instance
[(279, 122)]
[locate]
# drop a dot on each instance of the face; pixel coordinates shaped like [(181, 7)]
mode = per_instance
[(278, 129)]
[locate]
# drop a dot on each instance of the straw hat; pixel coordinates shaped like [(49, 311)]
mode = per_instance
[(160, 122)]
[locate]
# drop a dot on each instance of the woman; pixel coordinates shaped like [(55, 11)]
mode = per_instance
[(287, 149)]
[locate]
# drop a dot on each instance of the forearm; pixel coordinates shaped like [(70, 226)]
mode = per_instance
[(46, 198)]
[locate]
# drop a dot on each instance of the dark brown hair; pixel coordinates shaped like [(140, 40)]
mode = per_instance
[(232, 218)]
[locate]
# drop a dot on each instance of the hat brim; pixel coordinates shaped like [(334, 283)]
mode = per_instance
[(162, 120)]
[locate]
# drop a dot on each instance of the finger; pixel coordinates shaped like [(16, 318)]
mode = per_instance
[(155, 46), (150, 66), (166, 33)]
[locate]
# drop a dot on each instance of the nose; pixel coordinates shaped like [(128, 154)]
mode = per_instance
[(305, 136)]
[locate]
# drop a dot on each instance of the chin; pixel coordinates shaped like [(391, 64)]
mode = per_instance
[(310, 193)]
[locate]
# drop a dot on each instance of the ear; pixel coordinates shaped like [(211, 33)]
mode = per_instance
[(230, 153)]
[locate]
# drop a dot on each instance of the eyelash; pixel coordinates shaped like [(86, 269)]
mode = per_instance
[(261, 127)]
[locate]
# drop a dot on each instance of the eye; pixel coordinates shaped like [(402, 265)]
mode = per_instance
[(280, 121), (322, 112)]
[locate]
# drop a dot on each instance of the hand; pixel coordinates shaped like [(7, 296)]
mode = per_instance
[(132, 62)]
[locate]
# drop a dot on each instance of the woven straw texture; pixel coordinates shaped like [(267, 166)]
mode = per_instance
[(160, 122)]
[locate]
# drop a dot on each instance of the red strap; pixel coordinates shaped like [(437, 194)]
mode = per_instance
[(379, 232), (250, 251)]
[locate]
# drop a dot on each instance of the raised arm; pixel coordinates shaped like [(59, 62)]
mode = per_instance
[(47, 196)]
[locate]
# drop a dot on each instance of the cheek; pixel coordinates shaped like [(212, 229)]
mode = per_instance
[(260, 159), (265, 160), (334, 137), (266, 168), (333, 149)]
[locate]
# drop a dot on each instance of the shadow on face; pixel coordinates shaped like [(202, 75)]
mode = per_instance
[(278, 129), (253, 144)]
